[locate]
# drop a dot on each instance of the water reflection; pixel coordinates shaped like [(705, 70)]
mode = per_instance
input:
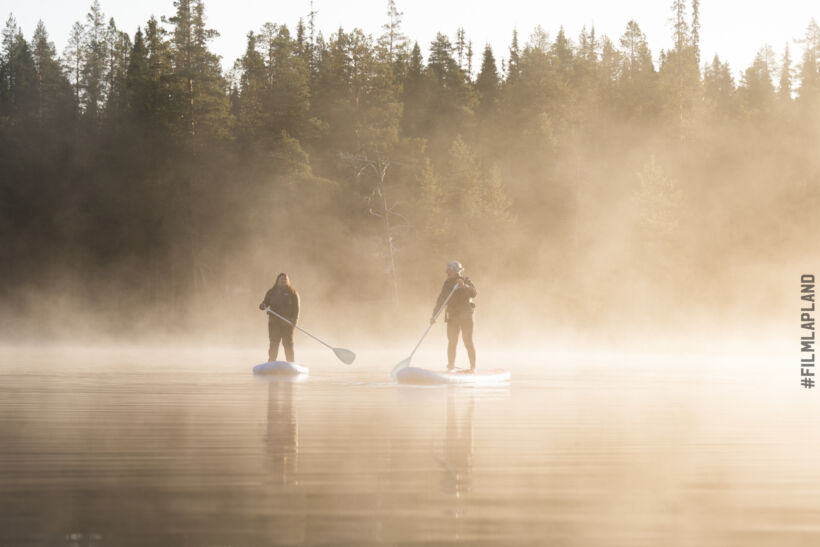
[(282, 437), (457, 458), (285, 510), (587, 455)]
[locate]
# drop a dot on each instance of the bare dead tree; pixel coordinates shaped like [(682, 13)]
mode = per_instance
[(380, 207)]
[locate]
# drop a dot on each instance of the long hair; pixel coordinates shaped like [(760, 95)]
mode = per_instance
[(284, 276)]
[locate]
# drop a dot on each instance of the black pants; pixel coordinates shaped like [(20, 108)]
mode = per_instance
[(463, 324), (279, 331)]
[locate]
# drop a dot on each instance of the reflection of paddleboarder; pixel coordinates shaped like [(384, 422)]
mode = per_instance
[(458, 447), (284, 300), (283, 432), (282, 442), (459, 313)]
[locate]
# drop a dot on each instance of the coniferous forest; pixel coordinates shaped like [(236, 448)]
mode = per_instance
[(578, 178)]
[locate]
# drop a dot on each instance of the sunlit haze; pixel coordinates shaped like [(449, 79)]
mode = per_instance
[(732, 29), (342, 288)]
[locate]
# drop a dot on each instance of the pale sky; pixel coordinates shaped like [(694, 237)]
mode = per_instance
[(733, 29)]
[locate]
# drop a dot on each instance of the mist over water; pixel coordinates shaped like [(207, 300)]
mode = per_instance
[(186, 447)]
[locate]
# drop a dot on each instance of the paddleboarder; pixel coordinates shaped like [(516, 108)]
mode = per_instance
[(284, 300), (459, 312)]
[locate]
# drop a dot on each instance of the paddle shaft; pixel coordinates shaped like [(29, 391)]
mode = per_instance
[(289, 322), (434, 318)]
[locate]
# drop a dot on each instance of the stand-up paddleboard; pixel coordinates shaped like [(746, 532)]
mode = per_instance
[(282, 369), (426, 377)]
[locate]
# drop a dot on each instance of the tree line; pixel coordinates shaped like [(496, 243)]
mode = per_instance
[(135, 166)]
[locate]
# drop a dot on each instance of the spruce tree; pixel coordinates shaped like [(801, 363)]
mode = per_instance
[(513, 68), (718, 89), (757, 90), (487, 82), (288, 99), (452, 99), (414, 94), (784, 88), (137, 79), (254, 86)]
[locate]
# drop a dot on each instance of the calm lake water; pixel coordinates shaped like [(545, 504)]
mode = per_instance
[(181, 447)]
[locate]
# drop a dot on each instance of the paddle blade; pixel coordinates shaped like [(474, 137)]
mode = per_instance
[(345, 355), (400, 365)]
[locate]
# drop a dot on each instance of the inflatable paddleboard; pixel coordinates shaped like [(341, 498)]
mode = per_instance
[(425, 377), (283, 369)]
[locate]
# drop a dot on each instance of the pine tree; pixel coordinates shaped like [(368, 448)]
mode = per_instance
[(74, 56), (198, 89), (588, 46), (54, 92), (461, 47), (680, 72), (377, 97), (18, 79), (696, 29), (539, 41), (638, 81), (94, 70), (609, 69), (586, 75), (637, 57), (119, 49), (809, 74), (680, 34), (392, 41), (470, 61), (159, 111), (267, 42)]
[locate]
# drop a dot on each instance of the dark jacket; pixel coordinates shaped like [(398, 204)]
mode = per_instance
[(460, 304), (283, 301)]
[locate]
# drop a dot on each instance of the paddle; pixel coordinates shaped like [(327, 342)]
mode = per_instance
[(406, 362), (345, 355)]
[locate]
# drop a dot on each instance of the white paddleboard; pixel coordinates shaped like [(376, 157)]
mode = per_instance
[(282, 369), (426, 377)]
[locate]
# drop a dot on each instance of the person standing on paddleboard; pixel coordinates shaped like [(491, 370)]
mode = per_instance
[(284, 300), (459, 313)]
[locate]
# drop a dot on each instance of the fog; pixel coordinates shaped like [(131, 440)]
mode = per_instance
[(636, 223), (590, 186)]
